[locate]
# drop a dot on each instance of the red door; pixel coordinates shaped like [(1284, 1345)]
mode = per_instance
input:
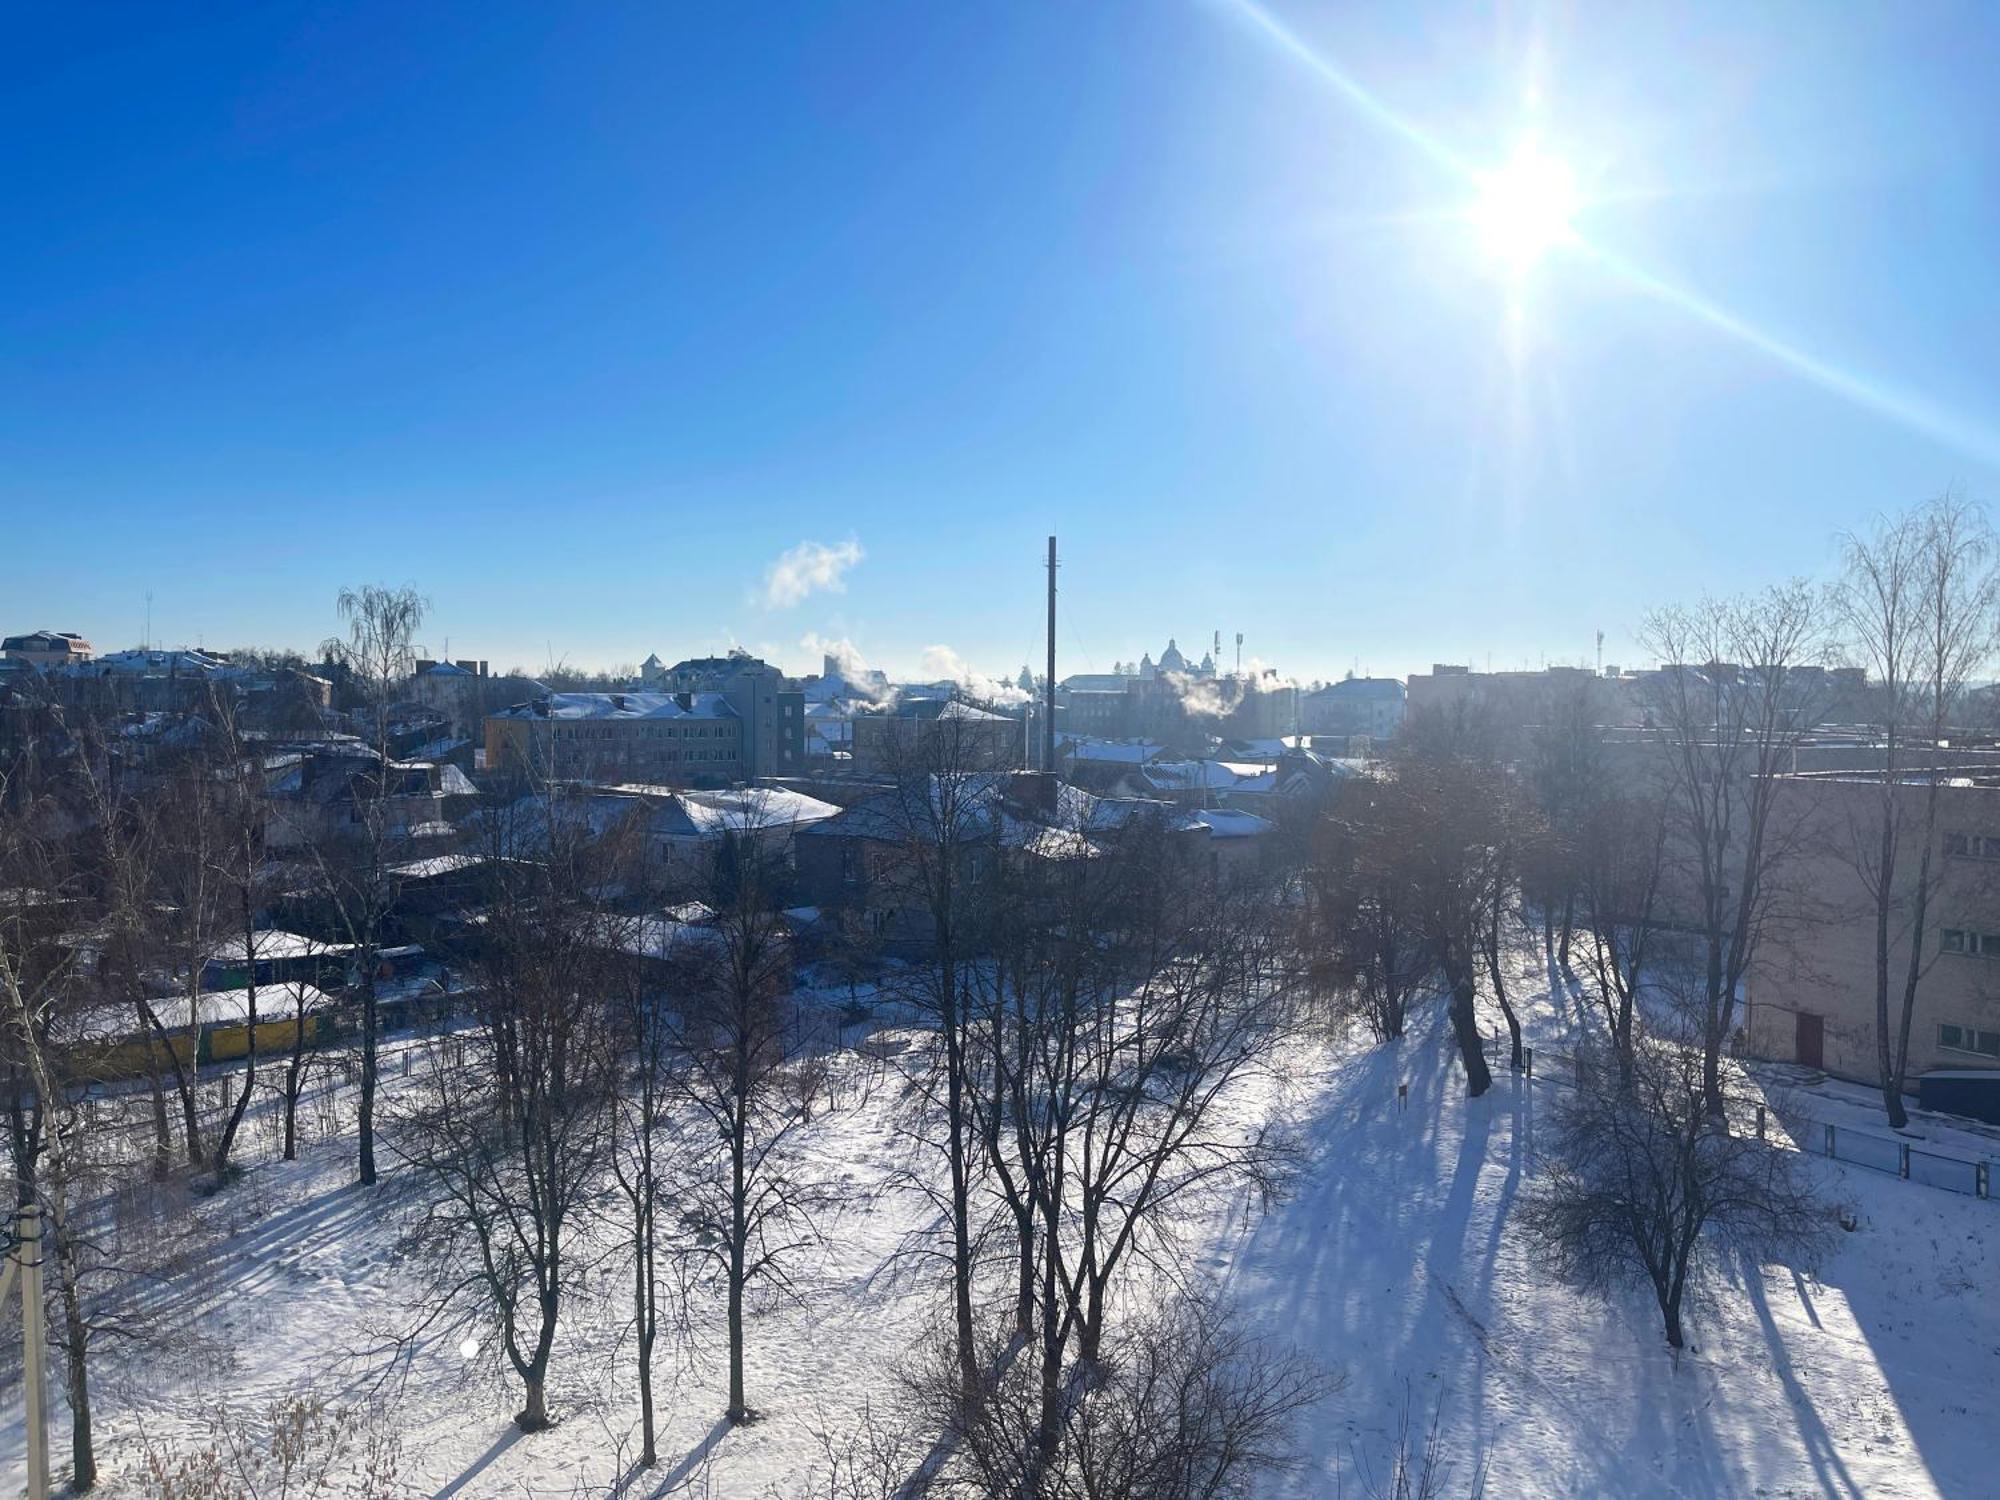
[(1810, 1040)]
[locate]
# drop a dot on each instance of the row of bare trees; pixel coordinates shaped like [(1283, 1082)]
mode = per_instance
[(634, 1080), (136, 859), (1100, 1000)]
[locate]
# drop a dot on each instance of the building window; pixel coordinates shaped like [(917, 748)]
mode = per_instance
[(1953, 940), (1969, 1039)]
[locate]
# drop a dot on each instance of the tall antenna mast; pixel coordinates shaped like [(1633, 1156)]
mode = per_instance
[(1049, 687), (1600, 653), (149, 620)]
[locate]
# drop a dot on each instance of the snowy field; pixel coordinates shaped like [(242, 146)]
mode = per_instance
[(1394, 1262)]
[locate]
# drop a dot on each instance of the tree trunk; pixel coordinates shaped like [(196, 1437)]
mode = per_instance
[(534, 1413), (739, 1229), (183, 1085), (961, 1189), (1024, 1292), (1465, 1024), (235, 1120), (294, 1082), (76, 1336), (1711, 1038), (1898, 1063), (645, 1319), (1885, 895), (163, 1143), (368, 1033), (1495, 974)]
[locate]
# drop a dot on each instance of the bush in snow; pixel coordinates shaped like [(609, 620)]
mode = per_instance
[(1645, 1190)]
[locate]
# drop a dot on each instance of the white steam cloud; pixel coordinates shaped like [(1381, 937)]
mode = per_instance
[(942, 664), (862, 680), (807, 569)]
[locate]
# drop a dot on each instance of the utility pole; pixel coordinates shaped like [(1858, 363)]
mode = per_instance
[(25, 1261), (1049, 687)]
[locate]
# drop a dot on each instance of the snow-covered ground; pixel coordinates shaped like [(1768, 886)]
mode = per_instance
[(1394, 1261)]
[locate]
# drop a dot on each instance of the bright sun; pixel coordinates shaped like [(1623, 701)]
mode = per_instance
[(1524, 209)]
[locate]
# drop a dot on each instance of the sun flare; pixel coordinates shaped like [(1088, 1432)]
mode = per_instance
[(1524, 209)]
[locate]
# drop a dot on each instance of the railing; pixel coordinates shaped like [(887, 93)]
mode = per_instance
[(1975, 1177), (1884, 1153)]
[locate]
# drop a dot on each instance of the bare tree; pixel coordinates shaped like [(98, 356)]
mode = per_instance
[(1565, 771), (641, 1165), (514, 1136), (238, 789), (195, 847), (1736, 694), (1642, 1191), (377, 654), (1456, 868), (1920, 602), (37, 975), (1620, 859), (1186, 1406), (1116, 1044), (738, 1032), (940, 827), (1515, 828), (1364, 929)]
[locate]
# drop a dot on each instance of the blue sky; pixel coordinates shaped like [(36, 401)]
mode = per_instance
[(581, 317)]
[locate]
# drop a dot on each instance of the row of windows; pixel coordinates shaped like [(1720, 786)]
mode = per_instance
[(1969, 1039), (626, 756), (1959, 940), (1972, 845), (644, 731)]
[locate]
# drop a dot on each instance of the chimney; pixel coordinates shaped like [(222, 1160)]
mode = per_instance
[(686, 702)]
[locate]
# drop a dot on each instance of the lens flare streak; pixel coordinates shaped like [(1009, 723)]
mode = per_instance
[(1521, 217)]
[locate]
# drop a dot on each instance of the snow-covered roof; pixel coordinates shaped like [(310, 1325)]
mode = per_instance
[(1211, 775), (622, 706), (1224, 823), (1109, 752), (146, 663), (220, 1007), (273, 942), (742, 809), (437, 864), (1361, 687)]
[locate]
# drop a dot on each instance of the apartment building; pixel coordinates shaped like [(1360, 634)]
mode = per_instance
[(771, 710), (675, 739), (47, 648), (1811, 998)]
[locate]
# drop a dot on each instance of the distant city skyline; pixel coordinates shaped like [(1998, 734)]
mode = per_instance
[(1383, 337)]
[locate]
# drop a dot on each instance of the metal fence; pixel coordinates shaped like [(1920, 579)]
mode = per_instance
[(1969, 1175), (1975, 1177)]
